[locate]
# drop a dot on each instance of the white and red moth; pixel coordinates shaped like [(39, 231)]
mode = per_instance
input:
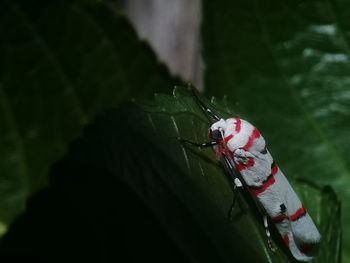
[(243, 151)]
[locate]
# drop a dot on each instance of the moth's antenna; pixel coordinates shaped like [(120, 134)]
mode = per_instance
[(202, 105)]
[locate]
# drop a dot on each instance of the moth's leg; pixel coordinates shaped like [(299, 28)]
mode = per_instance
[(234, 199), (237, 183), (268, 234), (204, 107), (201, 145), (232, 171)]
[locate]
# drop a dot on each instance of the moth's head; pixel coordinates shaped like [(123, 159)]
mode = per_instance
[(217, 130)]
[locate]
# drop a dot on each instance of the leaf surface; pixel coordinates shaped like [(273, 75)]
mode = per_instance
[(129, 183), (286, 65), (62, 62)]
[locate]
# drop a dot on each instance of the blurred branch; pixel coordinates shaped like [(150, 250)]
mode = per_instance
[(172, 29)]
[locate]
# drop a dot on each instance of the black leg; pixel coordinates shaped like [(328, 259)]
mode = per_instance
[(228, 163), (202, 145), (232, 171), (234, 199), (203, 106), (237, 183)]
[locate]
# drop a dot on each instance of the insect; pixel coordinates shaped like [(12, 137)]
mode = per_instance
[(245, 156)]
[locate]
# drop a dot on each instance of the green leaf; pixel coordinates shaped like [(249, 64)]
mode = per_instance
[(62, 62), (286, 65), (180, 117), (128, 180)]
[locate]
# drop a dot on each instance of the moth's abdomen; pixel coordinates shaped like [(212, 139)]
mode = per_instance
[(289, 215)]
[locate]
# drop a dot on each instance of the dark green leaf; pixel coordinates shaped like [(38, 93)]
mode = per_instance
[(286, 64), (62, 62), (128, 183)]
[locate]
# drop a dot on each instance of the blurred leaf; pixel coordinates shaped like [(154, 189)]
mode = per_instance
[(62, 62), (286, 64), (324, 207)]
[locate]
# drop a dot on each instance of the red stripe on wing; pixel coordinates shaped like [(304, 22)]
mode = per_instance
[(270, 181), (279, 218), (299, 213), (237, 129), (286, 239), (254, 135), (274, 169), (238, 124), (266, 184), (243, 166)]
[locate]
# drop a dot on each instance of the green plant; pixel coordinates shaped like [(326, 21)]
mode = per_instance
[(64, 62)]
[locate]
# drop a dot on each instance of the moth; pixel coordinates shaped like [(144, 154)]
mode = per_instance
[(244, 154)]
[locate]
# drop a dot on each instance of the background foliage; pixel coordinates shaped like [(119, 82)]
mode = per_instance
[(284, 68), (287, 65), (61, 64)]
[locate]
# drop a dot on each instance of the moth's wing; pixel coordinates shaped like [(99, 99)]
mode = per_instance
[(254, 168), (277, 198), (294, 224), (301, 237)]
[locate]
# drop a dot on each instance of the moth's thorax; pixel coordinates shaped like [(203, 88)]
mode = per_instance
[(237, 133), (228, 126), (220, 124)]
